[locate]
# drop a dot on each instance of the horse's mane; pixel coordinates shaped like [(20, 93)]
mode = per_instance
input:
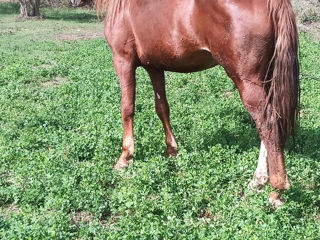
[(111, 7)]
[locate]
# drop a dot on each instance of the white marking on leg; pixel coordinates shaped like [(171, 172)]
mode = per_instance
[(128, 144), (173, 142), (261, 175), (158, 96), (262, 168)]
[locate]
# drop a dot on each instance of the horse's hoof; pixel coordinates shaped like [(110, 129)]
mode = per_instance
[(254, 186), (275, 201), (121, 164), (258, 182), (171, 152)]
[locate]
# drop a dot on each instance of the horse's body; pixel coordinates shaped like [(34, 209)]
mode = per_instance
[(254, 40)]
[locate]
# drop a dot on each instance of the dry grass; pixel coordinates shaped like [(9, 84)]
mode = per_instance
[(10, 209), (81, 34), (308, 15)]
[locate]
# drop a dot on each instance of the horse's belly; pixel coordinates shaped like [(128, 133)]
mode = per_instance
[(187, 62)]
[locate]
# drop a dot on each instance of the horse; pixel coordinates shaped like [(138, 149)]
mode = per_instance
[(255, 41)]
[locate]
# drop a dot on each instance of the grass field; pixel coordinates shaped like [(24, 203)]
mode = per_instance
[(61, 134)]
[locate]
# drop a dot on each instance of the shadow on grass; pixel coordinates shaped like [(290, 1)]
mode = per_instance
[(307, 143), (304, 197), (305, 192), (9, 8), (244, 135)]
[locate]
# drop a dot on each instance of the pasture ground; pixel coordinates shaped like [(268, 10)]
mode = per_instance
[(308, 16), (61, 134)]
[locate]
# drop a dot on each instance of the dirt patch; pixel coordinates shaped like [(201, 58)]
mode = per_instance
[(81, 216), (207, 217), (80, 35), (228, 94), (8, 210), (152, 197), (54, 83)]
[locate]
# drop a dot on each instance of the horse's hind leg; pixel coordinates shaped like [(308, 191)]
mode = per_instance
[(162, 109), (260, 177), (253, 97), (126, 72)]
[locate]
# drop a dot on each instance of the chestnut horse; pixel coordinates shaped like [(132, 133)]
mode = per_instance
[(255, 41)]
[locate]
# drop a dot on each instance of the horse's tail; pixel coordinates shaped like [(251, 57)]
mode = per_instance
[(283, 89)]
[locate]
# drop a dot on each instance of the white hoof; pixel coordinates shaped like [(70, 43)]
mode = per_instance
[(253, 185), (257, 183)]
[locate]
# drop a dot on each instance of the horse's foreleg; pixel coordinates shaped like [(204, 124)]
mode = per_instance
[(260, 177), (162, 109), (126, 73)]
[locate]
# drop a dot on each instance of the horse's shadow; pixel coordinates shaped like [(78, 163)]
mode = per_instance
[(307, 142), (307, 148), (244, 135), (304, 197)]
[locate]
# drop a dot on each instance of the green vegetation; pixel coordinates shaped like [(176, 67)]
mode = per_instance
[(61, 134)]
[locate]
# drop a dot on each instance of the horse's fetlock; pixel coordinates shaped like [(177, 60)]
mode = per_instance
[(261, 179), (280, 182)]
